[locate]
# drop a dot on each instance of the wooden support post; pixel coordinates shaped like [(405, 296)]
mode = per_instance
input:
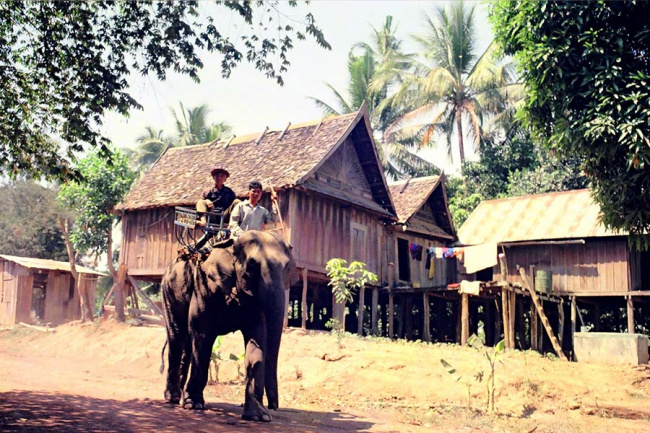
[(362, 299), (560, 314), (119, 293), (505, 311), (373, 314), (426, 332), (512, 317), (305, 312), (464, 326), (391, 305), (574, 317), (144, 296), (521, 325), (630, 315), (497, 322), (542, 316), (391, 314), (533, 327)]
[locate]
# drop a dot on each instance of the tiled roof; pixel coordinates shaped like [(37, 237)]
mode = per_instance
[(53, 265), (557, 215), (281, 158), (410, 199)]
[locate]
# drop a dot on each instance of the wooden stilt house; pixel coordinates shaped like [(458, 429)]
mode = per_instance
[(41, 291), (333, 198), (423, 222), (557, 241)]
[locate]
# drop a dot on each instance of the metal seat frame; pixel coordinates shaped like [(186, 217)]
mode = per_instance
[(186, 229)]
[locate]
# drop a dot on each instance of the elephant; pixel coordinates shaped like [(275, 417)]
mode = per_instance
[(239, 287)]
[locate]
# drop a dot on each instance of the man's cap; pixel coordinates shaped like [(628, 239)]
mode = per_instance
[(217, 170)]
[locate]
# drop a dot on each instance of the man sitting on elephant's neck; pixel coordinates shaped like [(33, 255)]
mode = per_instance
[(249, 214)]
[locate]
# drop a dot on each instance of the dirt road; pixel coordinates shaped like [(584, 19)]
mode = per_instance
[(105, 378)]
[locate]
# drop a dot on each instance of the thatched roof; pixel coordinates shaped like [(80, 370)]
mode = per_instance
[(53, 265), (409, 196), (551, 216), (284, 159)]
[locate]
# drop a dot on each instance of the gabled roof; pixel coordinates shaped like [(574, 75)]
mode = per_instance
[(281, 158), (52, 265), (410, 195), (556, 215)]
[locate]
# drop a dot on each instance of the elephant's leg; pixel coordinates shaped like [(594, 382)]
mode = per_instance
[(202, 341), (274, 321), (254, 340), (178, 339)]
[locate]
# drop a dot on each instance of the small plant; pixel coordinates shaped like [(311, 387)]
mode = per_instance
[(492, 357), (337, 330), (216, 359), (347, 280), (298, 371)]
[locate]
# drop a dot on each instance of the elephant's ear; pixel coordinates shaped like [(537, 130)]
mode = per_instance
[(219, 271)]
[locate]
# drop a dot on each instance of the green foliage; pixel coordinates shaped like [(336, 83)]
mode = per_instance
[(586, 66), (346, 280), (216, 359), (28, 221), (65, 64), (93, 200), (511, 167), (451, 84), (478, 376), (373, 69), (337, 330)]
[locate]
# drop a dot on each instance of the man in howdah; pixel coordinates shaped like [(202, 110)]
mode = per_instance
[(219, 198)]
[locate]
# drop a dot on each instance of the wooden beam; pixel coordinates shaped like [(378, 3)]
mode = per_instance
[(464, 326), (119, 293), (534, 342), (305, 273), (144, 296), (373, 314), (512, 317), (630, 315), (560, 331), (391, 311), (505, 311), (606, 293), (542, 316), (362, 301), (427, 318), (574, 308)]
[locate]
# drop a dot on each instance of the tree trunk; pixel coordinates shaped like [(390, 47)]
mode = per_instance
[(461, 147), (86, 309)]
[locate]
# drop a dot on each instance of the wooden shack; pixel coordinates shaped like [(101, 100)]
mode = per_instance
[(41, 290), (557, 239), (333, 198)]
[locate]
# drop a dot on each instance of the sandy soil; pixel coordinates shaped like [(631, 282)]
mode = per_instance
[(104, 377)]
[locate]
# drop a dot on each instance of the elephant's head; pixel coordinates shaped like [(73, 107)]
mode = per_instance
[(218, 271), (263, 262)]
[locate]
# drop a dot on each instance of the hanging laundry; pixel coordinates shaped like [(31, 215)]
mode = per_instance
[(432, 268), (416, 251)]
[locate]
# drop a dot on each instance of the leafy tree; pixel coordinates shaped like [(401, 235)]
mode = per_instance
[(366, 63), (586, 67), (90, 204), (28, 221), (452, 85), (64, 64)]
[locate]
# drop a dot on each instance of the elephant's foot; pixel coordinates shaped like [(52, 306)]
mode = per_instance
[(256, 412), (172, 398), (196, 404), (273, 404)]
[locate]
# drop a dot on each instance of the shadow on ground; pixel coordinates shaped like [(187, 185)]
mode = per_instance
[(39, 411)]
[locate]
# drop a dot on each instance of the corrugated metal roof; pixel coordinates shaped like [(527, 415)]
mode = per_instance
[(557, 215), (53, 265)]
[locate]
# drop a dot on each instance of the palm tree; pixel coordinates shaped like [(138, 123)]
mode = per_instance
[(384, 53), (150, 146), (191, 128), (453, 87)]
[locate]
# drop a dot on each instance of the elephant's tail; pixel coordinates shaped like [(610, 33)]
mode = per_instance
[(162, 358)]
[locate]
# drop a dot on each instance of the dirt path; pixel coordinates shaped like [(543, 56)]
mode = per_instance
[(105, 378)]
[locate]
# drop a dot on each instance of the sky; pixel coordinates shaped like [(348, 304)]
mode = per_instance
[(249, 102)]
